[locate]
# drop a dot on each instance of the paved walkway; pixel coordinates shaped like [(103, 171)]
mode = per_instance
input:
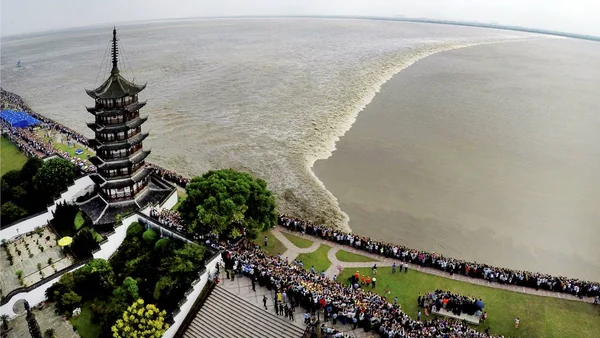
[(336, 266)]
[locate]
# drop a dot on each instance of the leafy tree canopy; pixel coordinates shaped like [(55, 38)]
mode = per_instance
[(54, 176), (84, 243), (150, 236), (11, 213), (219, 200), (141, 321)]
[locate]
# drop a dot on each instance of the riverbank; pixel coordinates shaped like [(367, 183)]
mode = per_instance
[(488, 167)]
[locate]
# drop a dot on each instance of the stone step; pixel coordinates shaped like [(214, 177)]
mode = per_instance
[(227, 315), (259, 312)]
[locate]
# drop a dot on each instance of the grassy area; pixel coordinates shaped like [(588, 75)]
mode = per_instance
[(317, 258), (79, 221), (64, 146), (298, 241), (11, 157), (345, 256), (83, 323), (274, 246), (181, 195), (539, 316)]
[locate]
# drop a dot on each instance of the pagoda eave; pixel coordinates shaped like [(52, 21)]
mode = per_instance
[(122, 183), (120, 162), (135, 140)]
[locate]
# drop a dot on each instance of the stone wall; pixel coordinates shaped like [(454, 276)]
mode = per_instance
[(41, 219)]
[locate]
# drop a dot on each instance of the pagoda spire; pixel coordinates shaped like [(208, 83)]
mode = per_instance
[(115, 53)]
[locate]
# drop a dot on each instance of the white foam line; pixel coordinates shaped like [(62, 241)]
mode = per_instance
[(342, 128)]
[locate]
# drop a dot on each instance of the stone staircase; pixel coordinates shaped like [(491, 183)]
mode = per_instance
[(227, 315)]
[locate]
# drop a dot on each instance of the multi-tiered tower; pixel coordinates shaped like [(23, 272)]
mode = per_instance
[(118, 135), (123, 181)]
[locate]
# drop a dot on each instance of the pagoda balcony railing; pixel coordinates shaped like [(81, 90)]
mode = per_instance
[(117, 119), (116, 103), (118, 175), (125, 136), (108, 155)]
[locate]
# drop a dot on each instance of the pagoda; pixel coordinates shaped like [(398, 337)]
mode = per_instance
[(123, 181)]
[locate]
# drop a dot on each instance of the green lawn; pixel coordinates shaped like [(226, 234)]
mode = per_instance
[(345, 256), (539, 316), (317, 258), (64, 146), (11, 157), (79, 221), (274, 246), (83, 323), (298, 241)]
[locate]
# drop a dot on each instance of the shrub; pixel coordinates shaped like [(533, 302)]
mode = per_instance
[(49, 260), (47, 238), (150, 236), (161, 243), (30, 255), (19, 274), (135, 229), (39, 266)]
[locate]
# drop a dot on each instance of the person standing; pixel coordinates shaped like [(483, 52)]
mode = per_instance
[(373, 281), (266, 240), (394, 267), (517, 323), (253, 285), (374, 269), (265, 301), (405, 267), (419, 315)]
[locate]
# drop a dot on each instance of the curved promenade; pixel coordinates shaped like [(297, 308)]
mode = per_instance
[(293, 251)]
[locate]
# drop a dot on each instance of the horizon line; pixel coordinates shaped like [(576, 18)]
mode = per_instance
[(398, 18)]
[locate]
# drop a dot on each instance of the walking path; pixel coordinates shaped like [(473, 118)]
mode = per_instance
[(336, 265)]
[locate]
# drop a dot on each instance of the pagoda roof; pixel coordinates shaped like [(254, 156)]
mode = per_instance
[(137, 139), (114, 128), (130, 108), (125, 182), (115, 87), (120, 162)]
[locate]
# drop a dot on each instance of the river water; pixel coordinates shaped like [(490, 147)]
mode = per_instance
[(273, 96)]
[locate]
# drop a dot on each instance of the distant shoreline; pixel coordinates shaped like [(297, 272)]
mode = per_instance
[(377, 18)]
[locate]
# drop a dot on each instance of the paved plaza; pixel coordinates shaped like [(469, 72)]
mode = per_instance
[(46, 319), (27, 253)]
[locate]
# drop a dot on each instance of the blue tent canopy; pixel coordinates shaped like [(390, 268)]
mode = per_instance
[(18, 119)]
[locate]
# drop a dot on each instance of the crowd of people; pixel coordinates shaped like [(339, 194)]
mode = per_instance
[(422, 258), (457, 304), (169, 218), (333, 301)]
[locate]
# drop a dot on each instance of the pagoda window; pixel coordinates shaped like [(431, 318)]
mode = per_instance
[(121, 135), (124, 171)]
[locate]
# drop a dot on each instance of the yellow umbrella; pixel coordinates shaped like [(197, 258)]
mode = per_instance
[(65, 241)]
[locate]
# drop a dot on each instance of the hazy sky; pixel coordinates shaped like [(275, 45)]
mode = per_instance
[(23, 16)]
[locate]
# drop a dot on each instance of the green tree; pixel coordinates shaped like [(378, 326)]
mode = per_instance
[(135, 229), (141, 321), (222, 199), (12, 178), (96, 278), (10, 213), (84, 243), (127, 292), (30, 168), (69, 301), (53, 177), (150, 236)]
